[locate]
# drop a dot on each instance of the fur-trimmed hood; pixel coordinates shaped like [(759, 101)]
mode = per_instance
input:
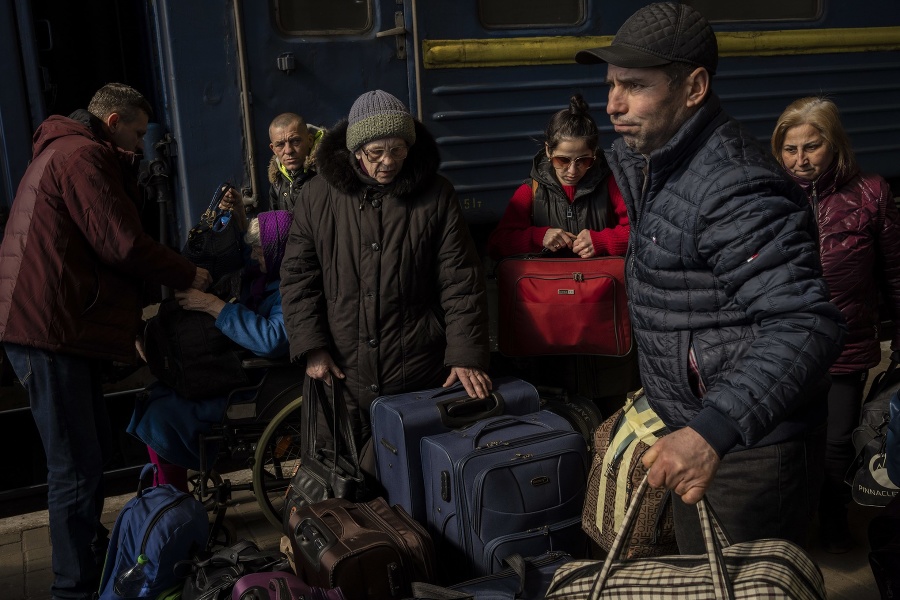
[(340, 168)]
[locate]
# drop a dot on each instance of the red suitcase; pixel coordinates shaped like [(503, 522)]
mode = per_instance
[(554, 306), (370, 550)]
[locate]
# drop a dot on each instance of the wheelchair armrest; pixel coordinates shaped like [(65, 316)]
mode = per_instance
[(257, 362)]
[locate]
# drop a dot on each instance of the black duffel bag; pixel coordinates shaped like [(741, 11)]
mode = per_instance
[(186, 351), (868, 475)]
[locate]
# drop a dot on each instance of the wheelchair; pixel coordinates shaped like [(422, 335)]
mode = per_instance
[(261, 430)]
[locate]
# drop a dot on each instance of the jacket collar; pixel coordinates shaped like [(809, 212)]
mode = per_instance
[(630, 165), (824, 184), (95, 126)]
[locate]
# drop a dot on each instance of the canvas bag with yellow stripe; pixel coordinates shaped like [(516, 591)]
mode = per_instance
[(616, 471)]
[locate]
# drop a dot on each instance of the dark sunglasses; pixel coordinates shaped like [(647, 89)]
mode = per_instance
[(582, 162)]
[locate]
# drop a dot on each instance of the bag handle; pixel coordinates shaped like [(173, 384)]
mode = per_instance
[(145, 479), (461, 411), (209, 216), (875, 388), (314, 395), (714, 537)]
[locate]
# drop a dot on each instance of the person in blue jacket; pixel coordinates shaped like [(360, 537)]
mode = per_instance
[(255, 322)]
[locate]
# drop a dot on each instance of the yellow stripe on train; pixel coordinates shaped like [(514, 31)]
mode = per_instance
[(508, 52)]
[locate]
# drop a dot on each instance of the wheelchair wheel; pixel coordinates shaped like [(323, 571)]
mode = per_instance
[(213, 481), (277, 457)]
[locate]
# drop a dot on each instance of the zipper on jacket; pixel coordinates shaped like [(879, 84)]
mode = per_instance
[(814, 200), (639, 210), (365, 198)]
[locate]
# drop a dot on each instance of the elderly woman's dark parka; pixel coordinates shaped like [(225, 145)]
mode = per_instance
[(385, 277)]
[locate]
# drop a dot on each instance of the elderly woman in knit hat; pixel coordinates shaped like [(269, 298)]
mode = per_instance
[(252, 319), (382, 285)]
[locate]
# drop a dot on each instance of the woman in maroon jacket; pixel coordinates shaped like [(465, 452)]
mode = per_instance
[(859, 243)]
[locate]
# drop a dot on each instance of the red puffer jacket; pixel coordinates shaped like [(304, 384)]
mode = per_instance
[(859, 238), (74, 255)]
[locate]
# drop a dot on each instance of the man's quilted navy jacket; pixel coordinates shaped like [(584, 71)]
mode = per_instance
[(722, 258)]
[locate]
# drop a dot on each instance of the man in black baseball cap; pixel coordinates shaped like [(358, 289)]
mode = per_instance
[(658, 35), (734, 329)]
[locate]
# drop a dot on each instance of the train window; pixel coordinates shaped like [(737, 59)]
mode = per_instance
[(509, 14), (298, 17), (758, 10)]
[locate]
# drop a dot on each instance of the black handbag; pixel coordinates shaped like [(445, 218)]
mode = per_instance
[(868, 476), (215, 242), (325, 472), (186, 351)]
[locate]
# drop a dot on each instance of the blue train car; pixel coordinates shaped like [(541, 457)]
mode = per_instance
[(483, 75)]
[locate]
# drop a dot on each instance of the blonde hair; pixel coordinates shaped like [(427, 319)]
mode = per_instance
[(252, 236), (824, 115)]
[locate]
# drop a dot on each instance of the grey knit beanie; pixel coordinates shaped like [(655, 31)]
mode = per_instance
[(377, 115)]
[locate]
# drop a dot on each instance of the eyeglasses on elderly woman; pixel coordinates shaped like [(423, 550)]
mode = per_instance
[(376, 154)]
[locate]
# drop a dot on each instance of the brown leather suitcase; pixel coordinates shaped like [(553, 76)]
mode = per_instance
[(370, 550)]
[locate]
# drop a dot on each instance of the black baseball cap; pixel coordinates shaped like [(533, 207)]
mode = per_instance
[(657, 35)]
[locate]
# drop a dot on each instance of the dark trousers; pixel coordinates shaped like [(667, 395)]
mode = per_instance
[(844, 404), (70, 412), (768, 492)]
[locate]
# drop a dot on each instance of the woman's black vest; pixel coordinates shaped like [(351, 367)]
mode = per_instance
[(551, 207)]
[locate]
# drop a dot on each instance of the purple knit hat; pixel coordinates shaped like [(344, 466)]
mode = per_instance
[(273, 233)]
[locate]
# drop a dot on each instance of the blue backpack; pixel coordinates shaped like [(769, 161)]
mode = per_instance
[(162, 524)]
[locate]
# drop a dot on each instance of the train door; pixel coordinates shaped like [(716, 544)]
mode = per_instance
[(315, 58)]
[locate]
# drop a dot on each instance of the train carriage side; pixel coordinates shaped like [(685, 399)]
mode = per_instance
[(488, 93)]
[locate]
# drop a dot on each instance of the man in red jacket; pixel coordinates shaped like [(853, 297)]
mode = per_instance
[(73, 260)]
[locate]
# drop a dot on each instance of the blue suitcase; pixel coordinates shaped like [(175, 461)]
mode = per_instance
[(506, 485), (400, 422)]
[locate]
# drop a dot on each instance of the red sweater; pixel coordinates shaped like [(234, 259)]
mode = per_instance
[(516, 235)]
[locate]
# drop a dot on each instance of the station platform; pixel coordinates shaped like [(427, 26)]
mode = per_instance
[(25, 543), (25, 572), (25, 549)]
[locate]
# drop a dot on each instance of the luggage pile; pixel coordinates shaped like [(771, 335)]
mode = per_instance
[(476, 498), (494, 498), (471, 488)]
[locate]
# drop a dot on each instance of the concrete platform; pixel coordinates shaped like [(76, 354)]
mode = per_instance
[(25, 542), (25, 550)]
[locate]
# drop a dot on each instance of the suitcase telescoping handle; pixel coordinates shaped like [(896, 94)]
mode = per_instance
[(314, 539), (462, 411)]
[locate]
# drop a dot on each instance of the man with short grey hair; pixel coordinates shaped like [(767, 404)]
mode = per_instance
[(734, 330), (292, 165)]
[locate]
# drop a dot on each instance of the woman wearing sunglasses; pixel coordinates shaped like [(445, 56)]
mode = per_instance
[(570, 205)]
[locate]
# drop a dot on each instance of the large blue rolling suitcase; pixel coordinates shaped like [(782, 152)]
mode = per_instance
[(502, 486), (399, 423)]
